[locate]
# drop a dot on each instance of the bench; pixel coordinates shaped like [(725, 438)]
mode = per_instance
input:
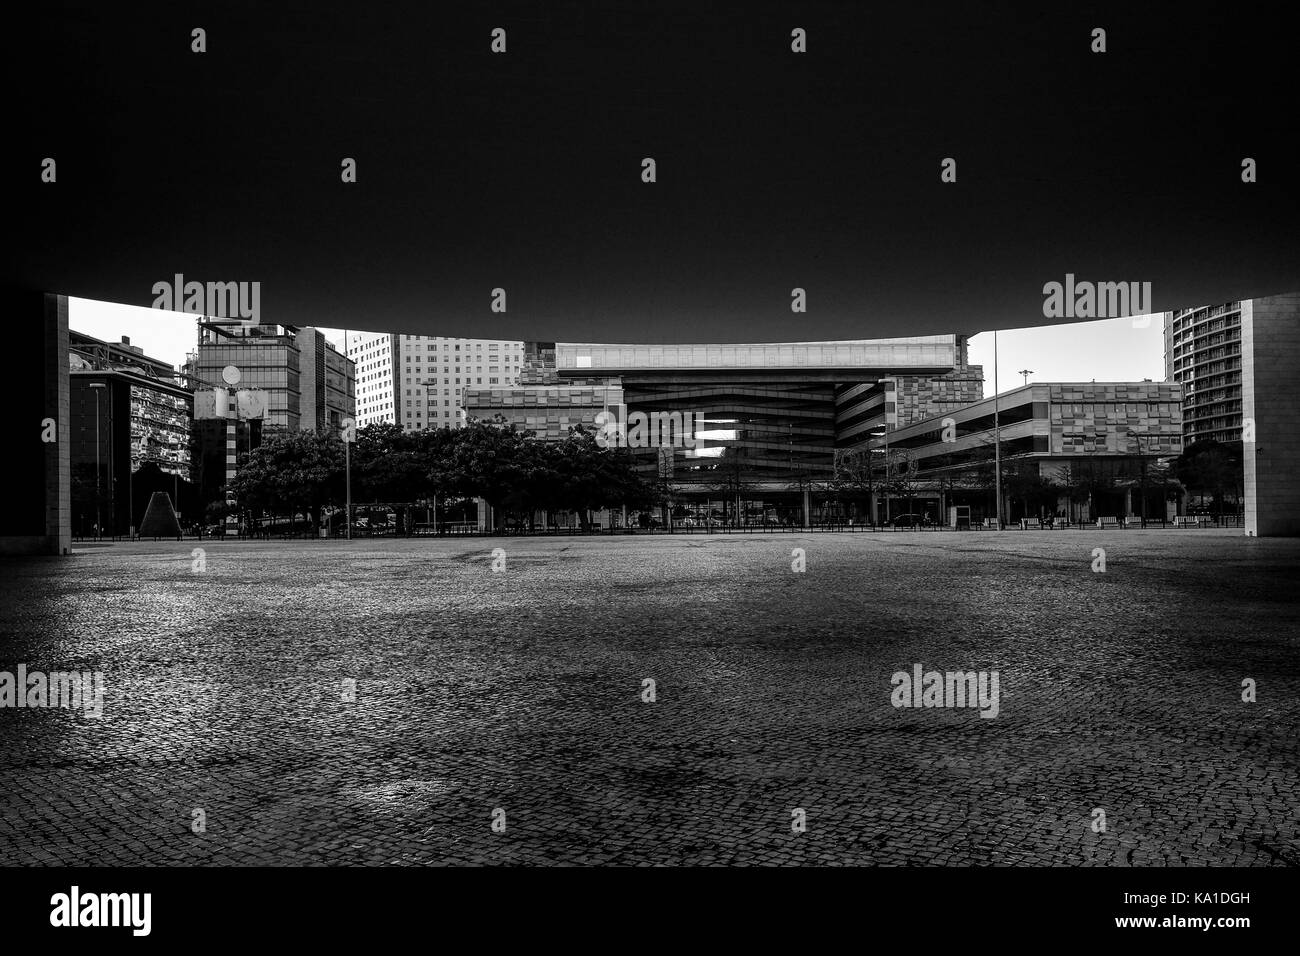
[(1109, 522), (1191, 521), (1027, 523)]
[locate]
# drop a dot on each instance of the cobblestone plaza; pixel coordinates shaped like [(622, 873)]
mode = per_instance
[(522, 690)]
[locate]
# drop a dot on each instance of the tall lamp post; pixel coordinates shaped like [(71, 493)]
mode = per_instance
[(1142, 461), (891, 418), (349, 434), (886, 469), (99, 528), (997, 438), (231, 376)]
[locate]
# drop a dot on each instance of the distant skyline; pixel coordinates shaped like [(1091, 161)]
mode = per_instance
[(1110, 350)]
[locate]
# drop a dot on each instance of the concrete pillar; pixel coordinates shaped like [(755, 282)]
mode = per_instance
[(1270, 402), (39, 484)]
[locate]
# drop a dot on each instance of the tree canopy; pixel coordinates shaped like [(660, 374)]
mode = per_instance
[(303, 472)]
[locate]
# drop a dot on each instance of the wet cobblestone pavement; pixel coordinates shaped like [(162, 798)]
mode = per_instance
[(522, 690)]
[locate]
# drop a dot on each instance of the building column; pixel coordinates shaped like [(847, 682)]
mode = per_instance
[(58, 457), (1270, 407), (40, 519)]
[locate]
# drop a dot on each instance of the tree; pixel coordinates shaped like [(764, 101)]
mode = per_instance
[(397, 467), (946, 482), (730, 476), (806, 485), (484, 460), (1070, 485), (1160, 475), (1209, 467), (1024, 482), (588, 477), (298, 471), (1093, 481), (853, 476), (900, 476)]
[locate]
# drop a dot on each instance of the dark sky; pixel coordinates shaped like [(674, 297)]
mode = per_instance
[(775, 170)]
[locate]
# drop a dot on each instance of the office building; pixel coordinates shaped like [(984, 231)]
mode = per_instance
[(128, 414), (1080, 450), (766, 418), (1237, 362), (307, 382), (419, 381)]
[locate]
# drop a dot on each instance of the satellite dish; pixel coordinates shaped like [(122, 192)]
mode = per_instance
[(230, 375)]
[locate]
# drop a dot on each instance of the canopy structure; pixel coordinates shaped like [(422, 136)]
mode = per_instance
[(898, 171)]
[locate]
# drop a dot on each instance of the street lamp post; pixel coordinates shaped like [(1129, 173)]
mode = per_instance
[(789, 445), (1142, 463), (99, 528), (886, 489), (130, 485), (232, 377), (349, 432), (997, 438)]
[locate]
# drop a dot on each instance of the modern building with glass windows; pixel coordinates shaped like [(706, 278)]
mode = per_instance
[(127, 412), (419, 381), (765, 420), (306, 381), (1077, 450)]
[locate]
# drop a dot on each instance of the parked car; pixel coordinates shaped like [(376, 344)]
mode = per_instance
[(908, 521)]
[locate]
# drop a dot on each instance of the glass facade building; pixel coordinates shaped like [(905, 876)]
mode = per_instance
[(766, 415), (272, 358)]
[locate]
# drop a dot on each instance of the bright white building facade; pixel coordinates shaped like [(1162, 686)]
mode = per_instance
[(417, 381)]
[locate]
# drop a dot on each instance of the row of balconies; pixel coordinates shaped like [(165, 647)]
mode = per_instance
[(1182, 342), (1216, 352), (1203, 396), (1206, 341), (1203, 312)]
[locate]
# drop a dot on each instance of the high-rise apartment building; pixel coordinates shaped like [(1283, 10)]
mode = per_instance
[(419, 381), (1203, 354)]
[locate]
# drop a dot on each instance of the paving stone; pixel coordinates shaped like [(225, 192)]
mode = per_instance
[(522, 690)]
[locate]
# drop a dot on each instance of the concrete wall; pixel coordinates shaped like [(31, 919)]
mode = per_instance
[(1270, 396), (40, 516)]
